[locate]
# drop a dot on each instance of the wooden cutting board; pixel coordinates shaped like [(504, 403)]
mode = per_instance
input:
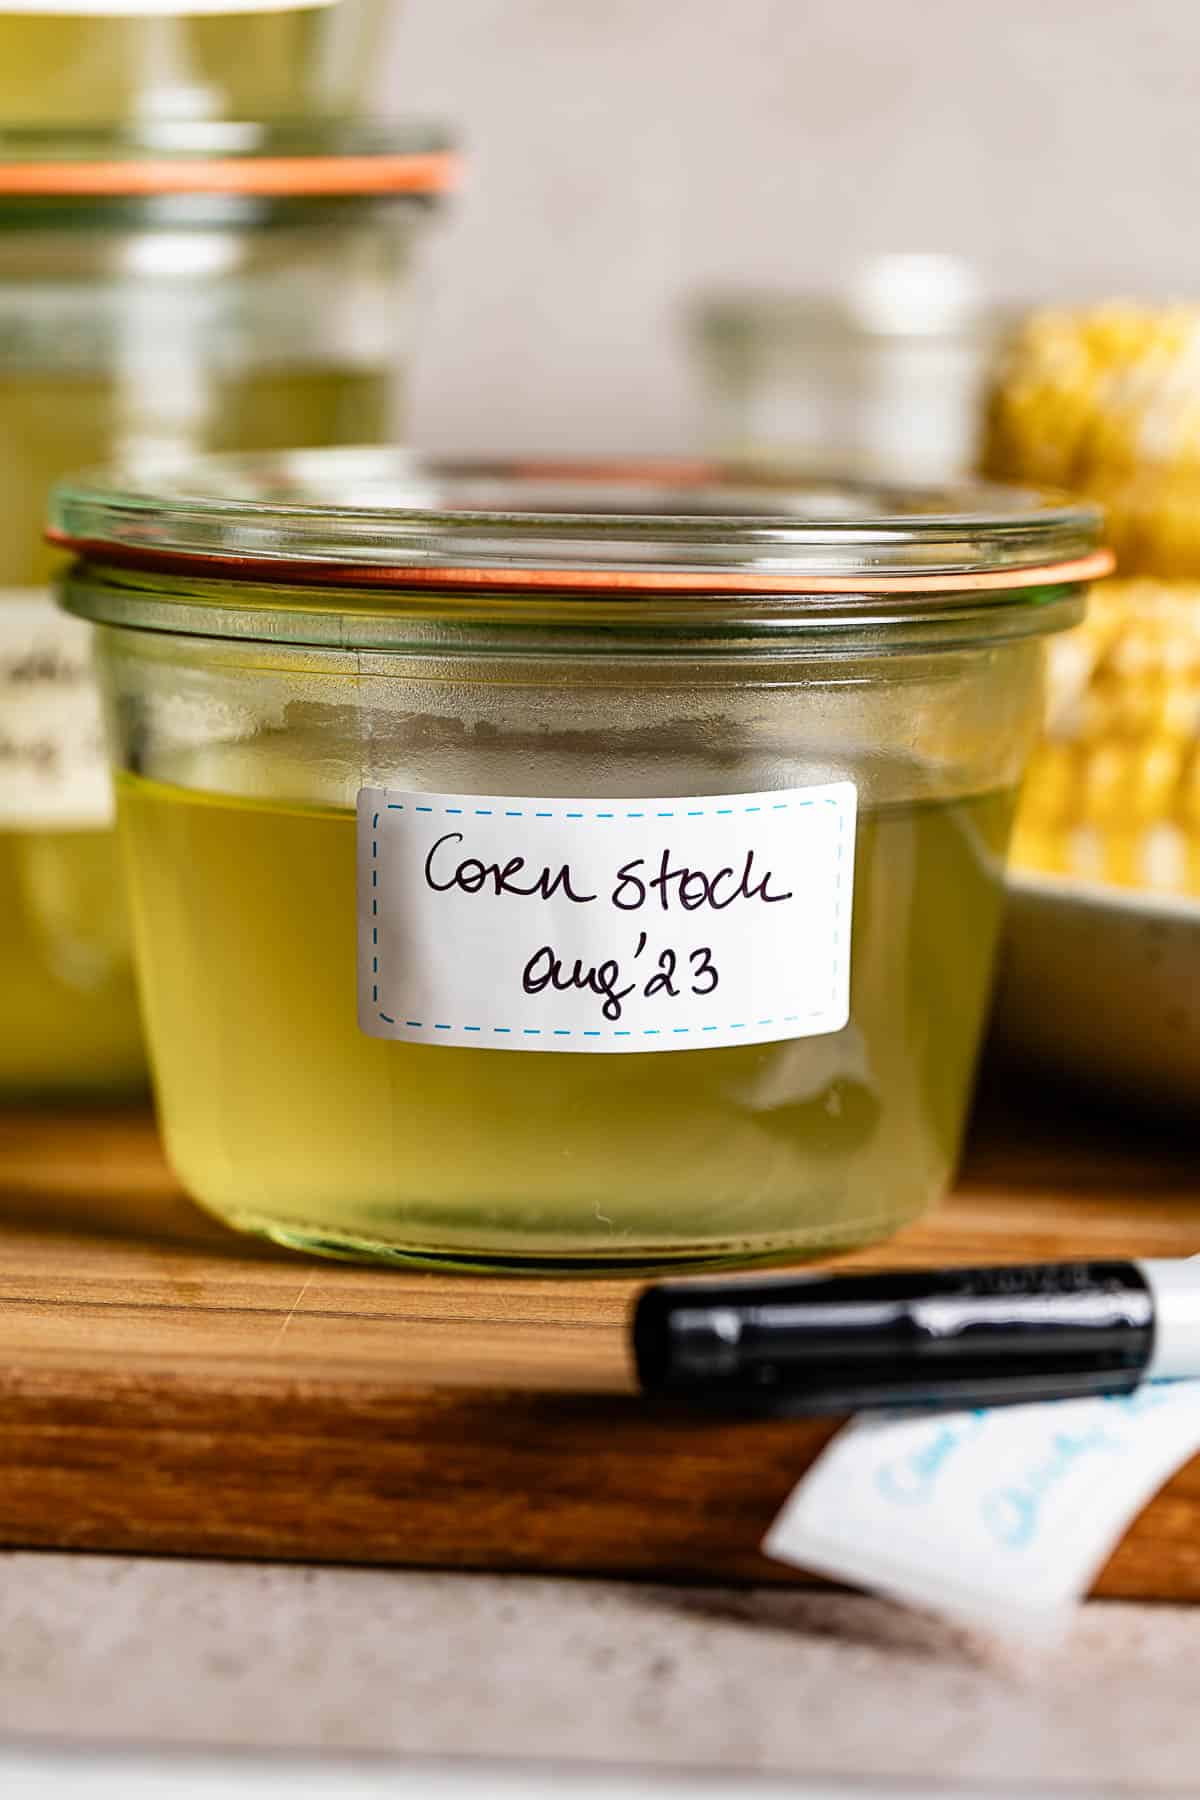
[(166, 1386)]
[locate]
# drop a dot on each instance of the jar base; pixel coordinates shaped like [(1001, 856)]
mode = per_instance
[(650, 1259)]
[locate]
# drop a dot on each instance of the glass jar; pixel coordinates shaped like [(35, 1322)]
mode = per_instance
[(153, 305), (885, 378), (72, 62), (550, 871)]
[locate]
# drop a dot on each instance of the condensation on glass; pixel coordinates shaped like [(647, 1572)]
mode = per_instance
[(534, 869)]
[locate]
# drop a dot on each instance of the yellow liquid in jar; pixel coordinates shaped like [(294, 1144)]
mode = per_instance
[(71, 69), (282, 1117), (54, 422), (68, 1006), (66, 977)]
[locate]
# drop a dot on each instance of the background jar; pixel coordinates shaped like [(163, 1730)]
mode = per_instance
[(155, 302), (280, 635), (884, 376), (76, 62)]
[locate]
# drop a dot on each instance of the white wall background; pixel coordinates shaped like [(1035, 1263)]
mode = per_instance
[(628, 151)]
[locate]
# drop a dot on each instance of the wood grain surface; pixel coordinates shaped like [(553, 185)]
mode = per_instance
[(166, 1386)]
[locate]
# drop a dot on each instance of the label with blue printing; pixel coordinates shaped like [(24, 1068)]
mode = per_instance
[(998, 1518)]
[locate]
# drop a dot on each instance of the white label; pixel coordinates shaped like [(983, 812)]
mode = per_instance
[(153, 9), (999, 1519), (53, 766), (604, 925)]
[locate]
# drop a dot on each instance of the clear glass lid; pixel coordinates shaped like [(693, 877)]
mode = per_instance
[(384, 517)]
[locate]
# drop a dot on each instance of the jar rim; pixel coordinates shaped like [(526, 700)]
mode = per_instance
[(283, 160), (386, 518)]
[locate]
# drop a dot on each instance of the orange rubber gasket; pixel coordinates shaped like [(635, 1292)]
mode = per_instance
[(323, 573), (426, 172)]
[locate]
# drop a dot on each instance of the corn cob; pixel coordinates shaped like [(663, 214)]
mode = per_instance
[(1106, 402)]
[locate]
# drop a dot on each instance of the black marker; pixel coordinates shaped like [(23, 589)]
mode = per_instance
[(929, 1337)]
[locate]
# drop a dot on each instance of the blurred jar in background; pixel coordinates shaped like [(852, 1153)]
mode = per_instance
[(1105, 400), (246, 292), (74, 62), (884, 378)]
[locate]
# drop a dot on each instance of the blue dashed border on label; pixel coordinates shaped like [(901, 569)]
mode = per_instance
[(581, 816)]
